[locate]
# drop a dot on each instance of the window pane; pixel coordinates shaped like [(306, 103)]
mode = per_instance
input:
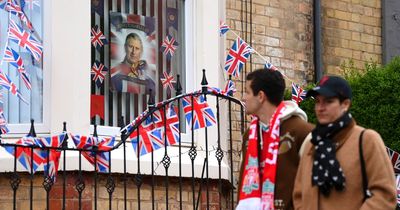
[(135, 30), (15, 110)]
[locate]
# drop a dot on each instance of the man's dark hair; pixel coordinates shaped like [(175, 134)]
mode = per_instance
[(270, 82)]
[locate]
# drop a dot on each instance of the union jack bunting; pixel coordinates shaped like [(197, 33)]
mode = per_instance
[(229, 88), (237, 57), (3, 123), (129, 127), (398, 189), (24, 39), (98, 72), (168, 124), (15, 9), (14, 59), (223, 28), (104, 144), (167, 80), (395, 158), (203, 116), (23, 154), (6, 83), (146, 138), (52, 156), (298, 94), (169, 46), (98, 38), (269, 66)]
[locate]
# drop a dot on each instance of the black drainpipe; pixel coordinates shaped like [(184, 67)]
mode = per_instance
[(317, 41)]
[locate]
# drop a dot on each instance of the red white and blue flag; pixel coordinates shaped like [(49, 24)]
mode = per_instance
[(298, 94), (23, 154), (24, 39), (6, 83), (237, 57), (168, 80), (169, 46), (146, 138), (98, 39), (269, 66), (3, 123), (168, 124), (14, 59), (223, 28), (395, 158), (398, 189), (229, 88), (203, 116), (15, 9), (100, 158), (98, 73)]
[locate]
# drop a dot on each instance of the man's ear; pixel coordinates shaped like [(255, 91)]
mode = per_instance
[(261, 96)]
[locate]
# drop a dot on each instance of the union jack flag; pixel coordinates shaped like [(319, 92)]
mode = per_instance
[(6, 82), (269, 66), (24, 39), (398, 189), (98, 72), (52, 155), (129, 127), (395, 158), (167, 80), (98, 38), (229, 88), (169, 46), (15, 9), (3, 123), (14, 59), (203, 116), (146, 138), (168, 124), (237, 57), (223, 28), (298, 94), (23, 154), (104, 144)]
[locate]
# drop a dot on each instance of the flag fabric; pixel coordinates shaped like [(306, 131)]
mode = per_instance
[(23, 154), (203, 116), (129, 127), (398, 189), (15, 9), (97, 106), (6, 83), (3, 4), (24, 39), (229, 88), (98, 39), (269, 66), (3, 123), (298, 94), (104, 144), (168, 124), (14, 59), (223, 28), (168, 80), (171, 18), (395, 158), (146, 138), (237, 57), (98, 7), (98, 73), (169, 46)]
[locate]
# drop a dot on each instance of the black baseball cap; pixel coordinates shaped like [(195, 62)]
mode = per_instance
[(332, 86)]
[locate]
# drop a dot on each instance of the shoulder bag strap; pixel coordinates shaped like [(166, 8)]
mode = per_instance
[(366, 191)]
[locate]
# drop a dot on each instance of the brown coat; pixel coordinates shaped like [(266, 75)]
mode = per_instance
[(380, 175), (292, 134)]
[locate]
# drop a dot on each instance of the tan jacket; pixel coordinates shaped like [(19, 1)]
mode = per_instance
[(380, 175), (294, 128)]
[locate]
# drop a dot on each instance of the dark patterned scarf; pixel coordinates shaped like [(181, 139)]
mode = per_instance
[(326, 172)]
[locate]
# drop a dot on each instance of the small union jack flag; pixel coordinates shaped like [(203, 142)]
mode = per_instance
[(237, 57), (395, 158), (269, 66), (223, 28), (14, 59), (23, 154), (98, 72), (169, 46), (98, 38), (24, 39), (398, 189), (146, 138), (298, 94), (168, 80), (168, 124), (15, 9), (3, 123), (229, 88), (6, 83), (203, 116), (103, 144)]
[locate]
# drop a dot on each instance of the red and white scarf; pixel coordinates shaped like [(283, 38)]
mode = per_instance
[(253, 195)]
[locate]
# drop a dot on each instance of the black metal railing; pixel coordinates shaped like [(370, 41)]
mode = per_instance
[(135, 186)]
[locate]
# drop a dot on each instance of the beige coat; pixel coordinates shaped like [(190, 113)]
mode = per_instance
[(381, 180)]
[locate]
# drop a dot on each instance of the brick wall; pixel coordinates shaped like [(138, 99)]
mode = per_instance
[(351, 31), (72, 201)]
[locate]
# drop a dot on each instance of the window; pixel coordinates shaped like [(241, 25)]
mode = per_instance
[(135, 30), (16, 112)]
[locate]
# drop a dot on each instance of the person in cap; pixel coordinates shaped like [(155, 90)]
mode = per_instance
[(343, 166), (271, 150)]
